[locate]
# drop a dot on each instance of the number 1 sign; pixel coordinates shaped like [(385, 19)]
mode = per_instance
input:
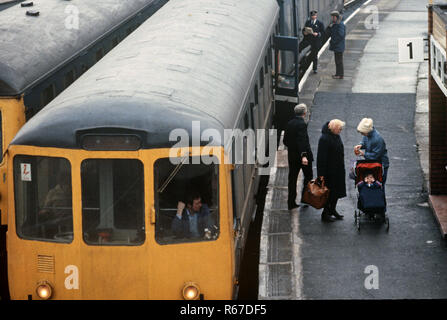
[(411, 50)]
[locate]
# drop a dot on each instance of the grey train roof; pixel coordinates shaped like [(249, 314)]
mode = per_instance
[(193, 60), (31, 46)]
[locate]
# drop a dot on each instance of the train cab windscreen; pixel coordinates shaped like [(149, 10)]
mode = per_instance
[(43, 198), (112, 201), (186, 200)]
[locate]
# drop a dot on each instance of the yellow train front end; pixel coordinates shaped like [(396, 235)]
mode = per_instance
[(89, 224)]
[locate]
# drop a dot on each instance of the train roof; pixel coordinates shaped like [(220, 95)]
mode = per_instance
[(193, 60), (31, 47)]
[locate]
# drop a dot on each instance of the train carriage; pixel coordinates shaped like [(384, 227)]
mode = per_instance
[(98, 179), (44, 47), (100, 174)]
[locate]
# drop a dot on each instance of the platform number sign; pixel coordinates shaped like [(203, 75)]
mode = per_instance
[(25, 169), (411, 50)]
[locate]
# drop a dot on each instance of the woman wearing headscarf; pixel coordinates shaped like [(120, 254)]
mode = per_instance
[(331, 166), (372, 147)]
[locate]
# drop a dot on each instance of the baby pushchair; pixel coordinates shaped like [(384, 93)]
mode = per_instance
[(371, 201)]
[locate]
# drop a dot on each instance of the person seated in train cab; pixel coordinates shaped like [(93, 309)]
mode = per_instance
[(192, 218), (58, 200)]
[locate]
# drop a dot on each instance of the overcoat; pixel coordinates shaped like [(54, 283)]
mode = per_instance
[(317, 27), (337, 32), (330, 161), (296, 138)]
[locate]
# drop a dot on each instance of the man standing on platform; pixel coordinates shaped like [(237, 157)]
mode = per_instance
[(313, 32), (299, 154), (337, 32)]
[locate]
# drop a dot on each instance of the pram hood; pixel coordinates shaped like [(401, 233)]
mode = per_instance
[(367, 166)]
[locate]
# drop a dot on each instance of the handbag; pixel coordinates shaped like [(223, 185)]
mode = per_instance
[(316, 193)]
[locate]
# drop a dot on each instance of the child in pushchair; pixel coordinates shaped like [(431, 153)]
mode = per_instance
[(371, 200)]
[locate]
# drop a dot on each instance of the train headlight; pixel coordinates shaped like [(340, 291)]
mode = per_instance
[(44, 290), (191, 291)]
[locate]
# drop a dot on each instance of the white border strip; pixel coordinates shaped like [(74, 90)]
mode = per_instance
[(306, 74), (434, 72)]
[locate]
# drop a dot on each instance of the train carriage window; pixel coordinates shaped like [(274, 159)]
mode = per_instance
[(47, 95), (112, 202), (1, 138), (186, 200), (99, 54), (43, 198), (255, 92), (114, 42), (84, 68), (261, 78), (69, 78)]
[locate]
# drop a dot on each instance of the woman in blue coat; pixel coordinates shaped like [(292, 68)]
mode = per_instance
[(337, 32), (372, 147)]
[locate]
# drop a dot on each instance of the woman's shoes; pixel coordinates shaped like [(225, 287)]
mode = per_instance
[(293, 206), (337, 215), (326, 218), (337, 77)]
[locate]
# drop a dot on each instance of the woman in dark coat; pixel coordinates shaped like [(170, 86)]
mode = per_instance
[(331, 166)]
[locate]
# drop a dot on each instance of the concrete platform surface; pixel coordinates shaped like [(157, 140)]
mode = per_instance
[(333, 260)]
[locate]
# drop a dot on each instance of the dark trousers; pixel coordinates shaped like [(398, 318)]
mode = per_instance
[(295, 166), (314, 57), (314, 48), (339, 70)]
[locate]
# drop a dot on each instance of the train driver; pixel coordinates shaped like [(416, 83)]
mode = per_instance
[(192, 219), (58, 200)]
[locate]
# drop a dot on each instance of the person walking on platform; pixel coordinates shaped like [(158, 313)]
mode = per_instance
[(331, 166), (372, 146), (337, 32), (313, 32), (299, 153)]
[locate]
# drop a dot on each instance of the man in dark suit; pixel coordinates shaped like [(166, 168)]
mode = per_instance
[(314, 38), (299, 152)]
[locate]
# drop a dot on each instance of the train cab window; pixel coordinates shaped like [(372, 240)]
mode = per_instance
[(186, 200), (47, 95), (112, 202), (43, 198)]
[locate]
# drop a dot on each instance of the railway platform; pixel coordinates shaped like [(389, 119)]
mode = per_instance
[(302, 257)]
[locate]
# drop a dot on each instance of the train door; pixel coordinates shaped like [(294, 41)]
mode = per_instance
[(286, 79), (191, 240), (115, 255)]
